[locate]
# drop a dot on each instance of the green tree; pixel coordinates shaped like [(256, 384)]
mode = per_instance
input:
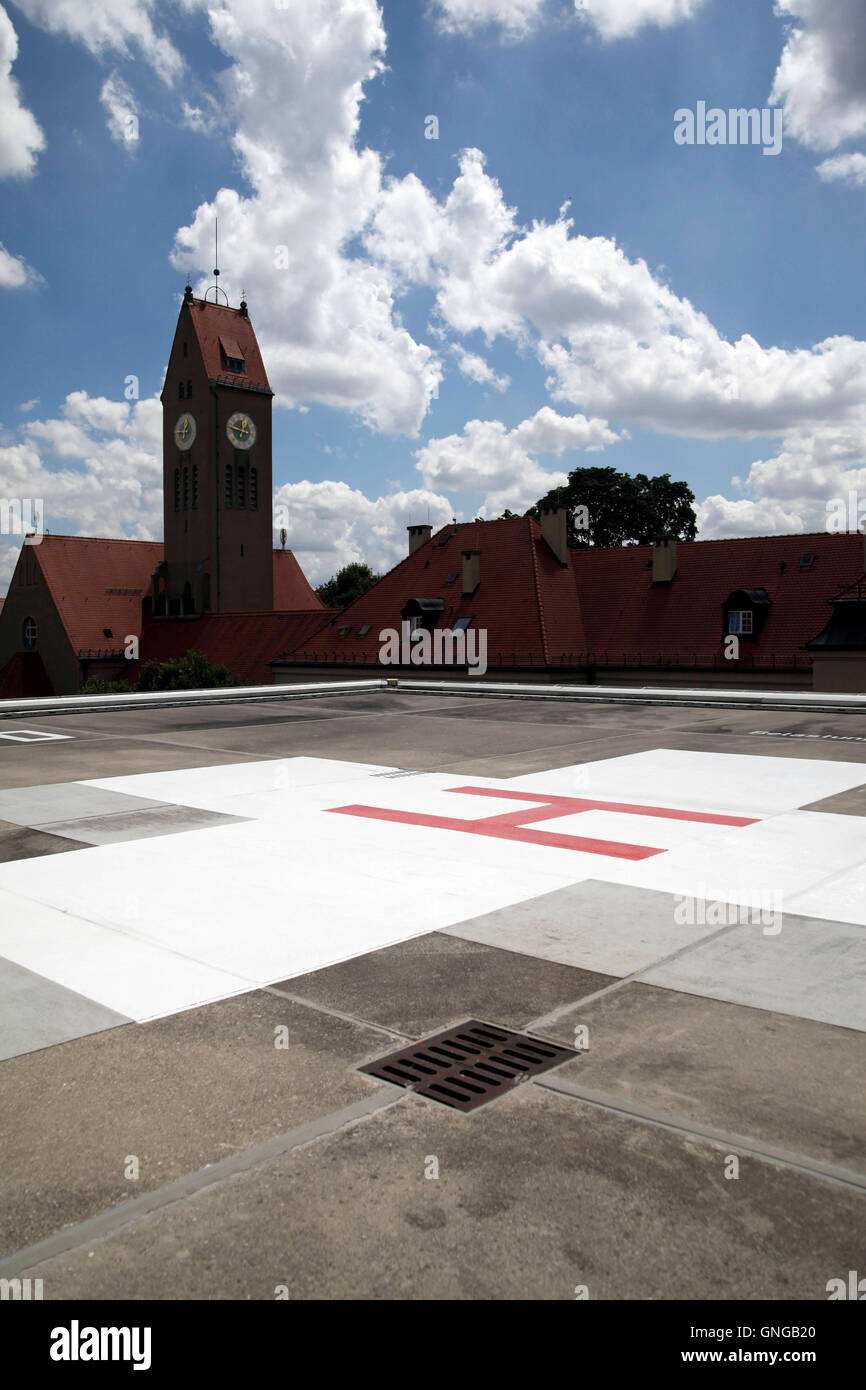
[(193, 671), (606, 507), (348, 584)]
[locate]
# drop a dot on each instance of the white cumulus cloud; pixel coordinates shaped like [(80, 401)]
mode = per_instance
[(487, 457), (821, 77), (514, 17), (97, 466), (621, 19), (844, 168), (615, 339), (20, 136), (15, 273), (477, 369), (330, 524), (121, 111), (327, 319), (122, 27)]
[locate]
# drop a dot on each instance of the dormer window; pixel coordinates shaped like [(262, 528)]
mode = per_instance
[(744, 612), (423, 613), (232, 356)]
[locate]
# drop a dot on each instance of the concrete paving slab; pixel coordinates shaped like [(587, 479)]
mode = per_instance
[(31, 765), (20, 842), (177, 1094), (537, 1195), (848, 803), (66, 801), (138, 825), (812, 969), (611, 928), (37, 1013), (792, 1082), (424, 985)]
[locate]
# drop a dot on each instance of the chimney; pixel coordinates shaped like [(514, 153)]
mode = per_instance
[(471, 571), (418, 536), (664, 561), (554, 529)]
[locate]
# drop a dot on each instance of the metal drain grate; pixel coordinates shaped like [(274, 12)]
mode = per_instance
[(469, 1065)]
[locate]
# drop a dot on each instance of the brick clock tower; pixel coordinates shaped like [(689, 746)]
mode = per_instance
[(217, 472)]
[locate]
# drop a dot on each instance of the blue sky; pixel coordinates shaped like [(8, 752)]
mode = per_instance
[(447, 338)]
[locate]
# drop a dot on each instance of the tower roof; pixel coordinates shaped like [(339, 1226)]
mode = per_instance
[(223, 333)]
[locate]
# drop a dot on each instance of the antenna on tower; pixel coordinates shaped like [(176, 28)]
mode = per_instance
[(216, 271)]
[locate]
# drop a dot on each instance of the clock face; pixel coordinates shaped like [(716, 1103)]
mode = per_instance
[(241, 430), (184, 432)]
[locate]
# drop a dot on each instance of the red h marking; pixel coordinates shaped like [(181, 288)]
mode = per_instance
[(510, 825)]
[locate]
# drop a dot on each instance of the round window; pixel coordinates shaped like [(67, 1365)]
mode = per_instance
[(30, 634)]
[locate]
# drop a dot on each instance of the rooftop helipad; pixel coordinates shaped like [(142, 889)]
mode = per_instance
[(212, 917)]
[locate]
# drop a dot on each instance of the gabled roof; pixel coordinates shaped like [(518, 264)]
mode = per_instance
[(525, 598), (97, 584), (292, 589), (210, 322), (624, 613), (603, 604), (244, 642)]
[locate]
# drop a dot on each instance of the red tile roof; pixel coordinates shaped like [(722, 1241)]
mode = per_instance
[(525, 599), (97, 584), (292, 589), (214, 321), (624, 613), (539, 612), (244, 642)]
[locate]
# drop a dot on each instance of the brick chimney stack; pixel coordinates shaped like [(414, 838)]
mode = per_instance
[(664, 561), (418, 536), (471, 571), (554, 529)]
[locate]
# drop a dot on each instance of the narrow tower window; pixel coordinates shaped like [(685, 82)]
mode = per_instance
[(242, 486), (177, 489), (228, 485), (195, 485), (254, 489), (185, 488)]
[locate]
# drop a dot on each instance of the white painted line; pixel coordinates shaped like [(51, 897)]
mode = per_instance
[(31, 736)]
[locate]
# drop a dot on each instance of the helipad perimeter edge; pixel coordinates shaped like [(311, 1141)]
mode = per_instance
[(805, 701)]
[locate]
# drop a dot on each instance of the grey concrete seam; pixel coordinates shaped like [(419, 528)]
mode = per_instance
[(646, 1114), (337, 1013), (109, 1223), (636, 977)]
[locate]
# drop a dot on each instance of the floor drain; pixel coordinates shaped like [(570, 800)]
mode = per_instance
[(469, 1065)]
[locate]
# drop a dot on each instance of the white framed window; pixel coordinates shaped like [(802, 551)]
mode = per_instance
[(30, 633), (740, 620)]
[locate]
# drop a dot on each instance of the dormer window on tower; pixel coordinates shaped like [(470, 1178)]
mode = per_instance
[(233, 358)]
